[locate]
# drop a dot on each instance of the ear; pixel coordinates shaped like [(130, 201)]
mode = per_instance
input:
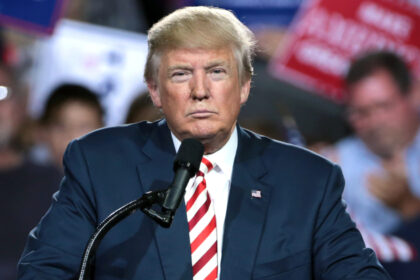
[(245, 88), (154, 94)]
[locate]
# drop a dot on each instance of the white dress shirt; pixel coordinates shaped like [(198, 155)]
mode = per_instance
[(218, 183)]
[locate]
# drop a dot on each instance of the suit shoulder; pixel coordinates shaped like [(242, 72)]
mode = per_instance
[(119, 143), (137, 132), (275, 151)]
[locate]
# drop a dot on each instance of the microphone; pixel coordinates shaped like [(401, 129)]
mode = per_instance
[(186, 165)]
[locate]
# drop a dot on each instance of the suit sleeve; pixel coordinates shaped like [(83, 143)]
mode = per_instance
[(338, 248), (55, 246)]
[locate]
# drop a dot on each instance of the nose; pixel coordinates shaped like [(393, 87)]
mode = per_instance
[(199, 86)]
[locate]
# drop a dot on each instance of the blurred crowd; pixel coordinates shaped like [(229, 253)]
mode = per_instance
[(31, 152), (380, 158)]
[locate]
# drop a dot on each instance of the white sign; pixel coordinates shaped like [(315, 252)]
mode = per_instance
[(108, 61)]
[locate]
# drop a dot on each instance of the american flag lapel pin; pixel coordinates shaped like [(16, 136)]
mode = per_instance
[(255, 194)]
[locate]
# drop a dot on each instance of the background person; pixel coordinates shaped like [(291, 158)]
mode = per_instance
[(70, 111), (142, 109), (381, 161)]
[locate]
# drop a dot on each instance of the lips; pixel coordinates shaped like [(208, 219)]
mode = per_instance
[(200, 114)]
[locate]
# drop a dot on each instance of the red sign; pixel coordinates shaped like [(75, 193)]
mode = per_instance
[(328, 33)]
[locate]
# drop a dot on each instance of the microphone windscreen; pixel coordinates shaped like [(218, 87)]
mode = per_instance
[(189, 155)]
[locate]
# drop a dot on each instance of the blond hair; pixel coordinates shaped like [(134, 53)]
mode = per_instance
[(200, 27)]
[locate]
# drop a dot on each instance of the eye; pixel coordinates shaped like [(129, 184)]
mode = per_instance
[(218, 73), (218, 70), (180, 76)]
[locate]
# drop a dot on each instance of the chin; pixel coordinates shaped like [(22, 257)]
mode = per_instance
[(203, 136), (202, 130)]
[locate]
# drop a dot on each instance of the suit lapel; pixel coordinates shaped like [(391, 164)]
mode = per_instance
[(246, 213), (156, 173)]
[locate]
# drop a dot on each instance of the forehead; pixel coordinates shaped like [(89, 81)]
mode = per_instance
[(378, 87), (197, 57)]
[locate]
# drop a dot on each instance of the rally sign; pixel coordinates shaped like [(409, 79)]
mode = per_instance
[(327, 34), (108, 61), (39, 16), (256, 14)]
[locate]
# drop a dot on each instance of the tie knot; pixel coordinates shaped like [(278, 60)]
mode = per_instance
[(205, 166)]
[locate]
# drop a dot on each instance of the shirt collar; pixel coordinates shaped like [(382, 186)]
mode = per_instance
[(222, 159)]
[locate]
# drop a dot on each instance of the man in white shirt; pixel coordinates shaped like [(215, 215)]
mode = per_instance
[(381, 162)]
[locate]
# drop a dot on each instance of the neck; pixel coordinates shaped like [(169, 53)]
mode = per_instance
[(211, 147)]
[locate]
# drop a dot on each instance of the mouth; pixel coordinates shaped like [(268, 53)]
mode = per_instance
[(201, 114)]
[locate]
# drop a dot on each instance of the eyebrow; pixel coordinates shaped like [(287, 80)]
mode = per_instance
[(216, 63), (176, 67), (207, 67)]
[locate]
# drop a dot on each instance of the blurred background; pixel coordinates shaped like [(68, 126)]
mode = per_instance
[(70, 67)]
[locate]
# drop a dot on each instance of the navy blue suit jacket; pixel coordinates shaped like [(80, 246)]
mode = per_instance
[(298, 229)]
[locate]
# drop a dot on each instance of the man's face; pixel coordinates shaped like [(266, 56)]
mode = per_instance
[(200, 94), (380, 115)]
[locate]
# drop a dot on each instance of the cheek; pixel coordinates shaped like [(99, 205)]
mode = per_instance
[(57, 141), (233, 102), (360, 125), (401, 115), (174, 95)]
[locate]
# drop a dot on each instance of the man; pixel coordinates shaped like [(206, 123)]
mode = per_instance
[(381, 163), (277, 208)]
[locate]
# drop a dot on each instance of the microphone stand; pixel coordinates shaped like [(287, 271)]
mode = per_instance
[(144, 203)]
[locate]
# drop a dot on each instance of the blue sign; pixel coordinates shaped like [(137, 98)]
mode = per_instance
[(254, 13), (31, 15)]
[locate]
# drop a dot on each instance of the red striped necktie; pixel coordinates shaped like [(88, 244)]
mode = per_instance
[(202, 225)]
